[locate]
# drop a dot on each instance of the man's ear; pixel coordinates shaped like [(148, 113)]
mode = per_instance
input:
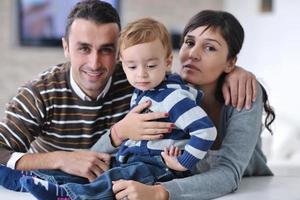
[(169, 62), (231, 65), (66, 47)]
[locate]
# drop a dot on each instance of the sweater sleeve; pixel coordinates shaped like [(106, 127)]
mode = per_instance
[(21, 124), (192, 119), (104, 144), (241, 136)]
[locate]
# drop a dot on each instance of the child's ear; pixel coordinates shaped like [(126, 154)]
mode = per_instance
[(169, 61), (231, 65), (66, 47)]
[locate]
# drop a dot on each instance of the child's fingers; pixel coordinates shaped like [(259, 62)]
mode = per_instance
[(171, 151), (176, 151), (166, 151), (165, 156)]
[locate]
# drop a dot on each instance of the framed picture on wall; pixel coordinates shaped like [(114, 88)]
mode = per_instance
[(42, 22)]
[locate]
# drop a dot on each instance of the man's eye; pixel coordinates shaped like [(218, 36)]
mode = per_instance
[(107, 50), (84, 49)]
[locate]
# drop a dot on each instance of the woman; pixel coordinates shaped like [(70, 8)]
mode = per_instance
[(211, 42)]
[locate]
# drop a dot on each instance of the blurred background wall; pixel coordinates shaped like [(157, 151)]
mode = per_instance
[(270, 51)]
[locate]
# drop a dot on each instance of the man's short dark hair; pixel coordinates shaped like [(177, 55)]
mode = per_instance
[(97, 11)]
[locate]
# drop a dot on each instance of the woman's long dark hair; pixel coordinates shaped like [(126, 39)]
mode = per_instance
[(233, 33)]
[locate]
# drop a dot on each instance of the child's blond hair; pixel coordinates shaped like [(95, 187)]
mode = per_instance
[(142, 31)]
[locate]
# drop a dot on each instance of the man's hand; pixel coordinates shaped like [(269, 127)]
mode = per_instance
[(170, 157), (240, 88), (88, 164), (137, 126)]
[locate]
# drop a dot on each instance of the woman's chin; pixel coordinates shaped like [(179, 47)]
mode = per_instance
[(183, 74), (186, 75), (189, 78)]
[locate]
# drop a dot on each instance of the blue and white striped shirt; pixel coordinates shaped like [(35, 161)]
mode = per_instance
[(194, 132)]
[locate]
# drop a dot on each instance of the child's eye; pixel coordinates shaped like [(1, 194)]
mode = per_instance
[(151, 66), (131, 67)]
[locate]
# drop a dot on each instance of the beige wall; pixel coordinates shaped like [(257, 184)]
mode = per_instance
[(173, 13), (19, 64)]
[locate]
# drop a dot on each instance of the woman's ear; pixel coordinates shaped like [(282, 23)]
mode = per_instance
[(231, 65)]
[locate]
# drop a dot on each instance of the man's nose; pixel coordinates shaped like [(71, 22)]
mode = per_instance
[(95, 60)]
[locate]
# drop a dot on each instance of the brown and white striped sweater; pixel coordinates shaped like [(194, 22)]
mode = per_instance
[(47, 115)]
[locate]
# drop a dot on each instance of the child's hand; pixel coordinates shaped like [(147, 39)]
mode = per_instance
[(170, 157)]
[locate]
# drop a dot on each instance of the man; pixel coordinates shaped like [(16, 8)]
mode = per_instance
[(72, 105)]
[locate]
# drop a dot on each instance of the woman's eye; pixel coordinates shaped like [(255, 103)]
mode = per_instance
[(210, 48), (189, 43)]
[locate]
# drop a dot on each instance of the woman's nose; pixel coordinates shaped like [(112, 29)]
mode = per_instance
[(195, 53)]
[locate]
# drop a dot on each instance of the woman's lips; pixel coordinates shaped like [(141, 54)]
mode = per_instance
[(190, 66)]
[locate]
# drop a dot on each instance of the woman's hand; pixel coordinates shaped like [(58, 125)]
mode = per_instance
[(137, 126), (134, 190), (240, 88), (170, 157)]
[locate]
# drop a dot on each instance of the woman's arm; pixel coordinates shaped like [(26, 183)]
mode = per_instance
[(224, 175), (240, 88)]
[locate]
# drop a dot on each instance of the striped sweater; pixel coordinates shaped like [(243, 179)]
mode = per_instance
[(47, 115), (194, 133)]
